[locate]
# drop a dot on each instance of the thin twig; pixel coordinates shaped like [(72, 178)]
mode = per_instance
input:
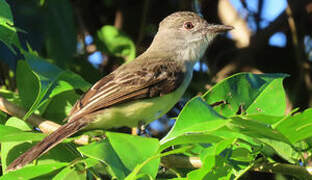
[(118, 19), (176, 161)]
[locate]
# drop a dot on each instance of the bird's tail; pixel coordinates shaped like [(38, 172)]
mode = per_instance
[(47, 143)]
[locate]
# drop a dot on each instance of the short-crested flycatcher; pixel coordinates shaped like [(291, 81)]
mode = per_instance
[(141, 90)]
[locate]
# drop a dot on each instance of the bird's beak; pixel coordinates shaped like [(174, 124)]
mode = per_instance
[(219, 28)]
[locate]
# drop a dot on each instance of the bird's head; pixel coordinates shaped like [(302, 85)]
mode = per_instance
[(187, 34)]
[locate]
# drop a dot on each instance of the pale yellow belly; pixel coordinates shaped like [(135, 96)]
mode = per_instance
[(144, 110)]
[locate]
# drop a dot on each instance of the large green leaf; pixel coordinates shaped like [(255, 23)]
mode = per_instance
[(39, 80), (250, 93), (27, 83), (116, 43), (134, 150), (104, 152), (8, 33), (196, 118), (53, 73), (60, 105)]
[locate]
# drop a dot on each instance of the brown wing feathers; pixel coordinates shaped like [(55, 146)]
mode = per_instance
[(159, 78)]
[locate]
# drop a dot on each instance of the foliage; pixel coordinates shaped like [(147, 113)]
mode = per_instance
[(238, 122), (114, 42)]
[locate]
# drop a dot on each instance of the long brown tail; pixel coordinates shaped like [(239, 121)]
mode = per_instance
[(47, 143)]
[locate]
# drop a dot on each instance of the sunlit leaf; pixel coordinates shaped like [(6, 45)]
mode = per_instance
[(121, 144), (249, 93), (8, 33), (104, 152), (115, 42)]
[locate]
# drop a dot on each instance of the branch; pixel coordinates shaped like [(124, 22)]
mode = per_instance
[(44, 125), (282, 168), (176, 161), (118, 19)]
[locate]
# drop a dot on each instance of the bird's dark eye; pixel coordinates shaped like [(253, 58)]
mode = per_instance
[(188, 25)]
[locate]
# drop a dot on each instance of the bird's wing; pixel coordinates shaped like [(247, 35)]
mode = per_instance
[(153, 78)]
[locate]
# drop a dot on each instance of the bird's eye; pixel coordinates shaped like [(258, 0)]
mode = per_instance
[(188, 25)]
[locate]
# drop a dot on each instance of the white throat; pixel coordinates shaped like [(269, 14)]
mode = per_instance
[(193, 51)]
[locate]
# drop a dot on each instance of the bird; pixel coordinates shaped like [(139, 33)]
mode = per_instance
[(142, 90)]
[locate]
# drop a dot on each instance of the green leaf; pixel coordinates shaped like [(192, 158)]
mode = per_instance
[(71, 172), (44, 81), (131, 152), (60, 105), (27, 83), (284, 150), (196, 118), (208, 157), (116, 43), (90, 162), (5, 13), (32, 171), (134, 174), (8, 33), (11, 126), (61, 35), (241, 154), (297, 127), (65, 80), (191, 138), (255, 129), (227, 132), (250, 93), (263, 118), (221, 171), (11, 134), (104, 152), (11, 96)]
